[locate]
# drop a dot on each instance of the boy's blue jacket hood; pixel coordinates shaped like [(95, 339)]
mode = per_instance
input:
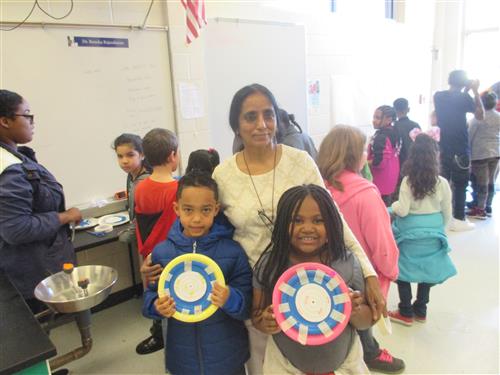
[(221, 229)]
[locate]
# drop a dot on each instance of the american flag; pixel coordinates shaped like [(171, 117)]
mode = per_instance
[(195, 18)]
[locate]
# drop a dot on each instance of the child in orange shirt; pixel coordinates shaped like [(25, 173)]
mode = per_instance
[(154, 198)]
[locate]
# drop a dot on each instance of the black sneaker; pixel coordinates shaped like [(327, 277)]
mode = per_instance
[(488, 211), (386, 363), (150, 345)]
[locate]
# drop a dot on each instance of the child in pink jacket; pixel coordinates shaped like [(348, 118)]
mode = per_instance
[(341, 157), (383, 152)]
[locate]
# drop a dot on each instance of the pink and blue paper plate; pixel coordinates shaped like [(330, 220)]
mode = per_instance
[(311, 303)]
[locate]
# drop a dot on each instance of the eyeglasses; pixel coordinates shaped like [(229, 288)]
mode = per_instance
[(266, 219), (30, 117)]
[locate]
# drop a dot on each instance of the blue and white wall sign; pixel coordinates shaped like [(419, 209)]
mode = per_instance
[(89, 41)]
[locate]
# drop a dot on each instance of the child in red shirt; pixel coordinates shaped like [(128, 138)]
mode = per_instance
[(154, 198)]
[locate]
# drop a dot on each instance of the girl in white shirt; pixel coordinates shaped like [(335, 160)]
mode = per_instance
[(421, 213), (424, 190)]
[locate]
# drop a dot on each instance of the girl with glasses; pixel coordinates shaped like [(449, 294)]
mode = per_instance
[(34, 223)]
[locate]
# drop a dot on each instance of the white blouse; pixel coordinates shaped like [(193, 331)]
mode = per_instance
[(241, 205)]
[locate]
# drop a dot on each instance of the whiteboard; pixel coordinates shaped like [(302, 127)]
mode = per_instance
[(241, 53), (84, 97)]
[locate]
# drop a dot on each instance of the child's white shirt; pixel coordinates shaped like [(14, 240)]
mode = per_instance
[(440, 201)]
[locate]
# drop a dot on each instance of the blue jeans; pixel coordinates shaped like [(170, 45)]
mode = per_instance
[(371, 348)]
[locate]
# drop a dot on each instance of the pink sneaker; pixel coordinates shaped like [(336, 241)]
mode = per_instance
[(386, 363), (396, 317)]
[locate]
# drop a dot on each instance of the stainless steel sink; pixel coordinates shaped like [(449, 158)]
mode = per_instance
[(82, 289)]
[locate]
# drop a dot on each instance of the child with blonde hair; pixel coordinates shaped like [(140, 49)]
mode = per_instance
[(340, 160)]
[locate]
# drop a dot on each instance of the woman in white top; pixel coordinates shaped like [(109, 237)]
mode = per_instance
[(252, 181)]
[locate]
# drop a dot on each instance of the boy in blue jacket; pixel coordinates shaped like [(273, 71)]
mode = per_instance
[(218, 344)]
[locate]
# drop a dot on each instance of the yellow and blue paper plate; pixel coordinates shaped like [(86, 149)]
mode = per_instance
[(189, 280)]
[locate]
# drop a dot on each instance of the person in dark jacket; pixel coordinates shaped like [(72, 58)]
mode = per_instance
[(218, 344), (34, 241), (452, 106), (292, 134), (403, 126)]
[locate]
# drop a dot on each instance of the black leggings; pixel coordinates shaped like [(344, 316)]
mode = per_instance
[(419, 307)]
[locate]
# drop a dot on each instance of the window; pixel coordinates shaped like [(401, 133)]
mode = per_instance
[(389, 9), (333, 6), (481, 55)]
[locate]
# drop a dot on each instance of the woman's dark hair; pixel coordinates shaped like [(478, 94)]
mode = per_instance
[(197, 178), (203, 160), (277, 254), (9, 102), (239, 98), (387, 111), (489, 100), (422, 166), (288, 119)]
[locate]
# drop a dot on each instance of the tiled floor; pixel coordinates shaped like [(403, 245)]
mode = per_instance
[(461, 335)]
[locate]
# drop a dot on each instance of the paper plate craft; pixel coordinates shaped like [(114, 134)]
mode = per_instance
[(115, 219), (189, 280), (87, 223), (311, 303)]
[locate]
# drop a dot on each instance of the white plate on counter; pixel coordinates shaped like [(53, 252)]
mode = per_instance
[(116, 219)]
